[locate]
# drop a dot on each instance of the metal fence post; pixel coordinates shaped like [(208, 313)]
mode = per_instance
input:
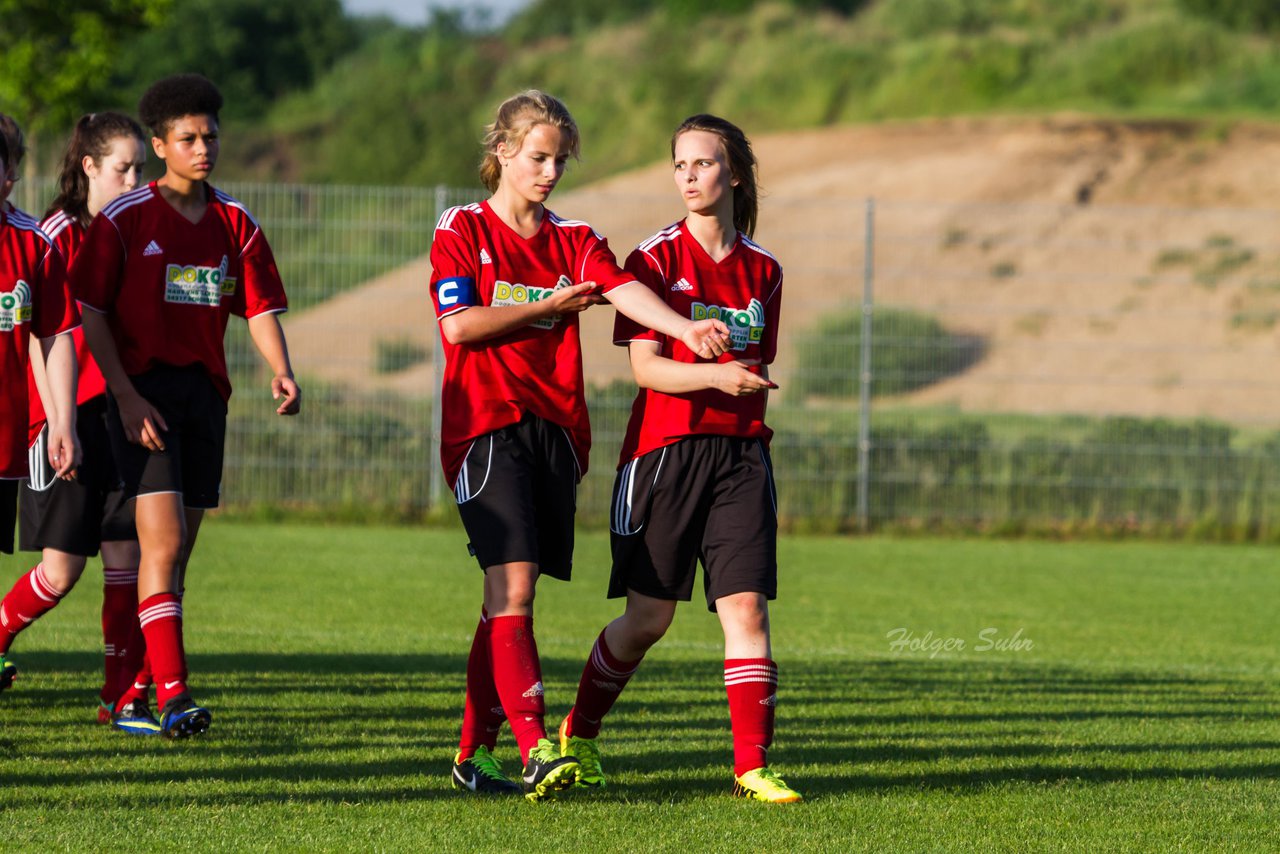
[(864, 374), (437, 381)]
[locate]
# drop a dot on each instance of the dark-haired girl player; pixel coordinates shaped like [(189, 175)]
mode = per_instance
[(695, 480), (509, 279)]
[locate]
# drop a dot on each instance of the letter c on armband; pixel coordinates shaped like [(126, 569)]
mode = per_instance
[(457, 291)]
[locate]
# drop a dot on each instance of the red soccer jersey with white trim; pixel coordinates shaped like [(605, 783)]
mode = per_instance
[(168, 285), (478, 260), (67, 234), (34, 301), (744, 290)]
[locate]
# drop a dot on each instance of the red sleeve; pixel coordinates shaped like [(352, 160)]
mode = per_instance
[(55, 308), (599, 265), (262, 290), (772, 310), (454, 267), (641, 268), (99, 269)]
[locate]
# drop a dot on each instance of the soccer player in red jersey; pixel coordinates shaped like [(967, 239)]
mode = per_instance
[(68, 520), (695, 478), (160, 272), (34, 301), (508, 280)]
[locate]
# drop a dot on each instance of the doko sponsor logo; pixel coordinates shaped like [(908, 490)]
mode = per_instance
[(192, 285), (506, 293), (746, 325), (15, 306)]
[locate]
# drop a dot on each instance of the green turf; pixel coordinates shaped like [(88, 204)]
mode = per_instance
[(1143, 717)]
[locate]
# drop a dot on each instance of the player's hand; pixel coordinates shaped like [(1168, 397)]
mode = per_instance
[(737, 380), (284, 386), (143, 424), (573, 299), (64, 452), (708, 338)]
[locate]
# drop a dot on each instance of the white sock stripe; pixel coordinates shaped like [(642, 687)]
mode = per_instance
[(120, 576), (158, 612), (40, 584), (598, 662), (742, 680), (752, 668)]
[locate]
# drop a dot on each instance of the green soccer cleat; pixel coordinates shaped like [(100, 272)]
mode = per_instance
[(547, 772), (590, 774), (764, 784), (481, 774), (8, 672)]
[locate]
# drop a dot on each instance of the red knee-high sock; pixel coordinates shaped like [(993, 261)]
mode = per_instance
[(517, 673), (30, 597), (161, 619), (119, 622), (752, 686), (603, 679), (482, 716)]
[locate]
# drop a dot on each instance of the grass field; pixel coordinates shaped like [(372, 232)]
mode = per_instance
[(1143, 716)]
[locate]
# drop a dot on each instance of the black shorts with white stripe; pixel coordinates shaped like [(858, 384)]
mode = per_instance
[(75, 516), (517, 494), (708, 498)]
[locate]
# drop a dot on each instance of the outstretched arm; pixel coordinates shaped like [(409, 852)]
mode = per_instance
[(482, 322), (268, 337), (707, 338)]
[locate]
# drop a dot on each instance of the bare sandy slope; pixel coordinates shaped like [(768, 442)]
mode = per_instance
[(1067, 244)]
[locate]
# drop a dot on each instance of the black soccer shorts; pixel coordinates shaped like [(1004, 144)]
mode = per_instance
[(708, 498), (75, 516), (191, 462), (517, 494)]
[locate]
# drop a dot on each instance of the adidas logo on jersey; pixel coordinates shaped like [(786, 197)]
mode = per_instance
[(484, 257), (534, 691), (682, 285), (153, 248)]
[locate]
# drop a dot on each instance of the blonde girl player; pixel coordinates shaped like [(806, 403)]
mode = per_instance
[(695, 480), (35, 302), (160, 273), (508, 280), (68, 520)]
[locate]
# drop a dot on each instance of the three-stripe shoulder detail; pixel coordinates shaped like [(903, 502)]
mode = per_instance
[(751, 244), (445, 223), (56, 223), (126, 201), (671, 232), (232, 202)]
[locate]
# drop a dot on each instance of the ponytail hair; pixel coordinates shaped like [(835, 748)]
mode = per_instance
[(517, 115), (93, 137), (742, 166)]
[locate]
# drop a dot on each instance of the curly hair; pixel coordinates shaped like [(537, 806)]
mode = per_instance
[(179, 95)]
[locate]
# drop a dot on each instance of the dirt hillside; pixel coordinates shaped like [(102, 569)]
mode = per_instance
[(1108, 267)]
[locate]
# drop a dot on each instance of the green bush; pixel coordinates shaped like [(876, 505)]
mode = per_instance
[(910, 351)]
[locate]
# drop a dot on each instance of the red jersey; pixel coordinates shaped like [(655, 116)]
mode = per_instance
[(744, 290), (478, 260), (67, 234), (168, 285), (34, 301)]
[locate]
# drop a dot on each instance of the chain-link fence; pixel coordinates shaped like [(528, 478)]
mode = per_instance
[(996, 366)]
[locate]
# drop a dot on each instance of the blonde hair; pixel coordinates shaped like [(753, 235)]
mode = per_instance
[(516, 117)]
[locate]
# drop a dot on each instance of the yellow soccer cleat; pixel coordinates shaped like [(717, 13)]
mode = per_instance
[(764, 784)]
